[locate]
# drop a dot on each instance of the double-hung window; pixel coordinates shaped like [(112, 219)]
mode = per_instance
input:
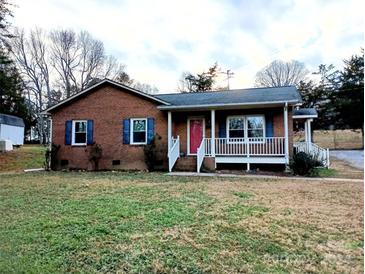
[(236, 127), (138, 131), (240, 127), (255, 126), (79, 129)]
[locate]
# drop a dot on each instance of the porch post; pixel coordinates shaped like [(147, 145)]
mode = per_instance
[(306, 131), (286, 133), (212, 132), (309, 130), (169, 132)]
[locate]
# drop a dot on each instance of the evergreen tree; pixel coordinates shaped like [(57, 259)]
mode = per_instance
[(11, 86), (349, 100)]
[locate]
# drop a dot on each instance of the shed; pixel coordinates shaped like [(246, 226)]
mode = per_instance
[(12, 128)]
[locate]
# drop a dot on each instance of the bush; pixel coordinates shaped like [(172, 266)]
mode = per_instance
[(51, 159), (95, 154), (303, 164), (150, 155), (153, 152)]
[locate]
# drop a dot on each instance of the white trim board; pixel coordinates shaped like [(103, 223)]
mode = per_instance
[(73, 133), (250, 160)]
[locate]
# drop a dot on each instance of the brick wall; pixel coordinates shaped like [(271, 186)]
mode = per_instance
[(107, 107)]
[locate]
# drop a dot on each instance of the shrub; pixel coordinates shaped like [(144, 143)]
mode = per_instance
[(96, 152), (150, 154), (303, 164), (51, 159)]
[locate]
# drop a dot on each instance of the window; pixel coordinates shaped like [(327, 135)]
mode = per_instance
[(236, 127), (255, 126), (79, 132), (139, 131), (252, 126)]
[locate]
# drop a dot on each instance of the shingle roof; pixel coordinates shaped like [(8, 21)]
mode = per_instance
[(94, 87), (11, 120), (305, 112), (232, 97)]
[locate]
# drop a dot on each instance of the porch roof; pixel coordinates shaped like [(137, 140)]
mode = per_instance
[(304, 113), (231, 98)]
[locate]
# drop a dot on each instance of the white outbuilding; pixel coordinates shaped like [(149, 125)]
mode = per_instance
[(12, 129)]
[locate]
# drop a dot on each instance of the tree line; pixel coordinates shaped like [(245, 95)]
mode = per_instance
[(40, 68), (337, 95)]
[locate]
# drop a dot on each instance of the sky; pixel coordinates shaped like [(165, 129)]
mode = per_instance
[(158, 40)]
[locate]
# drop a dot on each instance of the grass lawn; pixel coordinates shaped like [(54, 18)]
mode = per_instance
[(139, 222), (25, 157), (334, 139)]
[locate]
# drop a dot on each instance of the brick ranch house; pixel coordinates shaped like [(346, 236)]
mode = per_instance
[(191, 131)]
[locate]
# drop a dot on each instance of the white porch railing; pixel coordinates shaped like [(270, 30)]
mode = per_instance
[(258, 146), (319, 153), (174, 152), (200, 154)]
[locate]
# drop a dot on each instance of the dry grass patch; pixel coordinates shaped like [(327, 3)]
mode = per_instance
[(334, 139), (143, 223), (27, 156)]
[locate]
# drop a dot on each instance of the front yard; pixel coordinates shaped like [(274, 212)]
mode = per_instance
[(140, 222)]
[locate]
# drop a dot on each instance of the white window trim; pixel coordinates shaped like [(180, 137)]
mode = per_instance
[(245, 128), (227, 129), (73, 133), (188, 131), (131, 132)]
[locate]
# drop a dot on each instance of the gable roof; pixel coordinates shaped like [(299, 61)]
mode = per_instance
[(93, 87), (6, 119), (237, 97)]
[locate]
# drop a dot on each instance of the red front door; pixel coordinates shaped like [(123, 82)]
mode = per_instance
[(196, 134)]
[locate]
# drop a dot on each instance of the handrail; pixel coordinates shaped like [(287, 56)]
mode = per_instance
[(174, 153), (200, 154), (319, 153), (260, 146)]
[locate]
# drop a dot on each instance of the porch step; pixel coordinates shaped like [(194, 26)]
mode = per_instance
[(186, 163)]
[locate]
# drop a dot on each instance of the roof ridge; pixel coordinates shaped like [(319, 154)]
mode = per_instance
[(218, 91)]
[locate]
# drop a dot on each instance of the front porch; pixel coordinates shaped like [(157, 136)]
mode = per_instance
[(271, 146)]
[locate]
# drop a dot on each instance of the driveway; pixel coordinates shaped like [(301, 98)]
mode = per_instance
[(354, 158)]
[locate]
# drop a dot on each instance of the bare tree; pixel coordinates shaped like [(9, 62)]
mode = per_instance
[(58, 64), (279, 73), (31, 56), (80, 59), (65, 57), (146, 88)]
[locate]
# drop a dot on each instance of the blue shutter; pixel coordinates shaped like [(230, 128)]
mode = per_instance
[(90, 132), (68, 132), (222, 127), (126, 131), (150, 130), (269, 126)]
